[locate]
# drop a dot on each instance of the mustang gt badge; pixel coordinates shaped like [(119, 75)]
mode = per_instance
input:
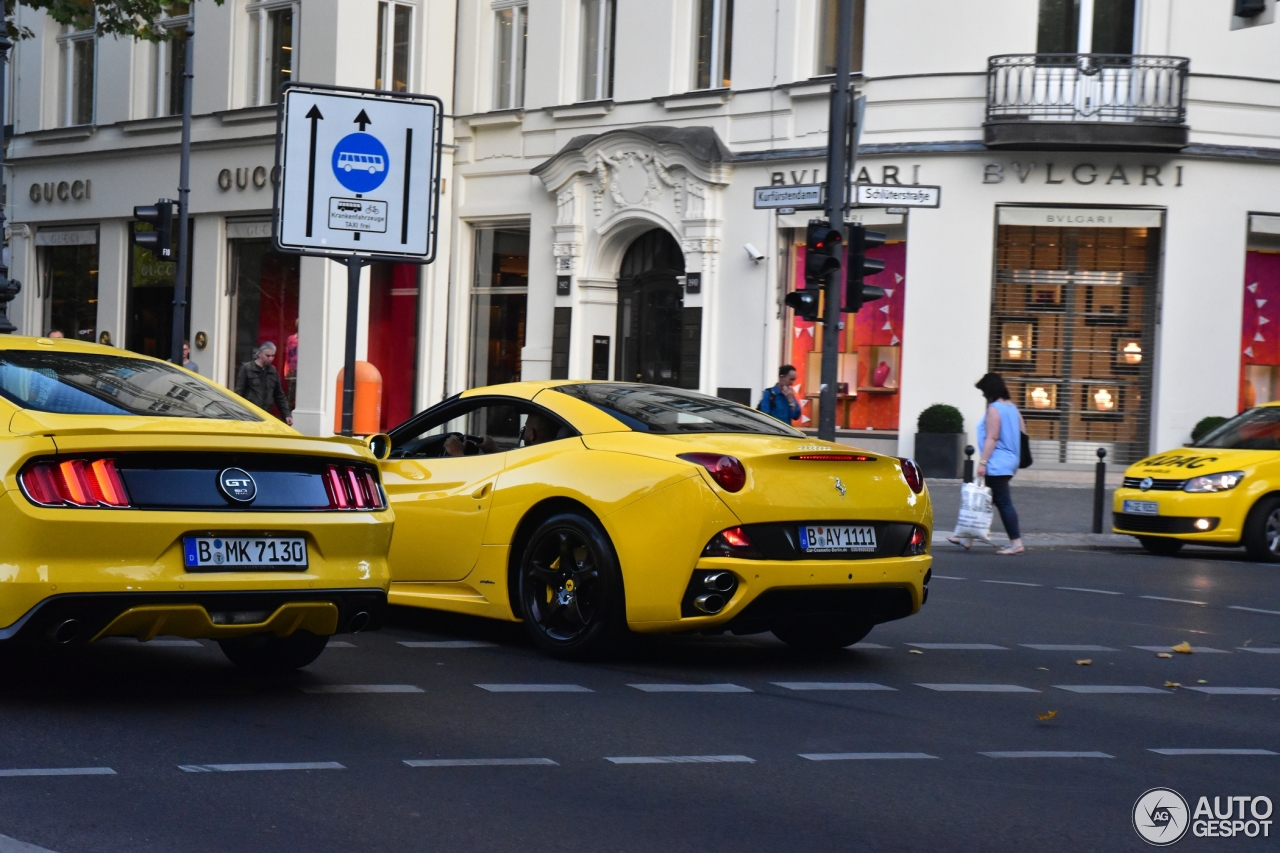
[(840, 487), (1146, 483), (237, 485)]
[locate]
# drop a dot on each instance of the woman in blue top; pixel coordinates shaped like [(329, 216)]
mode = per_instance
[(1000, 443)]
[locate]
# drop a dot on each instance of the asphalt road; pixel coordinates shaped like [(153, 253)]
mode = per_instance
[(681, 744)]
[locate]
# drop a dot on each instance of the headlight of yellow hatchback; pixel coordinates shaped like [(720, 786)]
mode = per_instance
[(1214, 482)]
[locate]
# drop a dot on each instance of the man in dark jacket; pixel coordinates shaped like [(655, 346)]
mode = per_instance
[(780, 400), (259, 383)]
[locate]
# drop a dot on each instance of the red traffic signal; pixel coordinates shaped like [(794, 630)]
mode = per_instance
[(820, 243)]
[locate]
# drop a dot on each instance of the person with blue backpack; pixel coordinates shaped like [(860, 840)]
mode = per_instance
[(780, 400)]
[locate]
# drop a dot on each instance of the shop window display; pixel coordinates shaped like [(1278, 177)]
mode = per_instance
[(499, 304), (1260, 335), (151, 281), (393, 336), (70, 276), (264, 291)]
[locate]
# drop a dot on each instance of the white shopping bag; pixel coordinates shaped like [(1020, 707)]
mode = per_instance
[(976, 512)]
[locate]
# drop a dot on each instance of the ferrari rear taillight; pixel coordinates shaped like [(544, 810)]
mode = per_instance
[(911, 473), (80, 483), (918, 543), (733, 542), (727, 471), (352, 488)]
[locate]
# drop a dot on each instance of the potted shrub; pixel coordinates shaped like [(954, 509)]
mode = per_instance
[(940, 441), (1206, 426)]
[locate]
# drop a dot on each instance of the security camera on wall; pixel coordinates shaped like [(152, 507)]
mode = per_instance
[(754, 253)]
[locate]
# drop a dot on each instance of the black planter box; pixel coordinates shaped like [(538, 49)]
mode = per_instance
[(940, 455)]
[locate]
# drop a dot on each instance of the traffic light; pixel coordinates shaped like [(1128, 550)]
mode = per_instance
[(805, 303), (860, 266), (160, 238), (820, 244)]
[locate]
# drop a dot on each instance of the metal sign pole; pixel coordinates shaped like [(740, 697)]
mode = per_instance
[(184, 190), (9, 288), (354, 263)]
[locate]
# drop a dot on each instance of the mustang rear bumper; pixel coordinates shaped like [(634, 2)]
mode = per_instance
[(199, 615)]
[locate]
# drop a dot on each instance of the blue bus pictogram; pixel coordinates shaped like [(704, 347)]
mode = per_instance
[(360, 162)]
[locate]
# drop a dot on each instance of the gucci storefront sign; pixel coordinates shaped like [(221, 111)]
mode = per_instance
[(61, 191), (242, 178)]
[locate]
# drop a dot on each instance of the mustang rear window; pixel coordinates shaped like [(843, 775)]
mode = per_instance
[(70, 383), (658, 409), (1256, 429)]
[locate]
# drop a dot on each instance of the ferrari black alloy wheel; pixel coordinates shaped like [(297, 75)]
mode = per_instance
[(570, 588), (266, 653)]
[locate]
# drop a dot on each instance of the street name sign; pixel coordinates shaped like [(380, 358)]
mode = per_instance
[(359, 173), (879, 195), (798, 196)]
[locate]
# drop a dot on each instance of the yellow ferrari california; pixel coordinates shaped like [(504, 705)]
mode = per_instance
[(585, 509), (140, 500), (1221, 490)]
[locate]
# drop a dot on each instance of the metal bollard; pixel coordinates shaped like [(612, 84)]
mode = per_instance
[(1099, 489), (968, 463)]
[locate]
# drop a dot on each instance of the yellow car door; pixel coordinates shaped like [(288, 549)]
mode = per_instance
[(439, 479)]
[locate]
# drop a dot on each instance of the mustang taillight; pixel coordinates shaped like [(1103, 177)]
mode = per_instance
[(80, 483), (727, 471), (352, 488), (733, 542), (911, 473), (918, 543)]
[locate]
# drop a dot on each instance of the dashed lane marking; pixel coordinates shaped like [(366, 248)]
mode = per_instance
[(1045, 754), (479, 762), (447, 644), (177, 643), (1053, 647), (340, 644), (1235, 691), (868, 646), (13, 845), (1014, 583), (960, 646), (831, 685), (1200, 650), (946, 578), (1275, 651), (58, 771), (1086, 589), (1175, 600), (691, 688), (863, 756), (535, 688), (1109, 688), (681, 759), (1212, 751), (1253, 610), (248, 768), (977, 688), (361, 688)]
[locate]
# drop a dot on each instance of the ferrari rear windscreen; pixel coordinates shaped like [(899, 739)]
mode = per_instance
[(659, 409)]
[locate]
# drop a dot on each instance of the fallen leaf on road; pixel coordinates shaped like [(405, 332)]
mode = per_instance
[(1163, 655), (1172, 684), (915, 652), (1047, 715), (1084, 662), (1183, 648)]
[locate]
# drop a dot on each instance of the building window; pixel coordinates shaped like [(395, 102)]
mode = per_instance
[(715, 44), (69, 272), (561, 329), (264, 287), (170, 59), (1086, 26), (77, 51), (498, 304), (828, 35), (395, 21), (273, 34), (597, 50), (509, 43)]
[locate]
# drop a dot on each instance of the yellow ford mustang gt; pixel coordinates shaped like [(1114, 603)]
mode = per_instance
[(140, 500), (1221, 490), (587, 508)]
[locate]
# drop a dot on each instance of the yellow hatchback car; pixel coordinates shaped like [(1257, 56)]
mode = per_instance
[(140, 500), (588, 508), (1221, 490)]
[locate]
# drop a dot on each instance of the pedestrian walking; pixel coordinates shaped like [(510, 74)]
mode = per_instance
[(1000, 455), (780, 400), (259, 383)]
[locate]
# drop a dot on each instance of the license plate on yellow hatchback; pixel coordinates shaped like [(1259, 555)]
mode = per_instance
[(1142, 507), (837, 538), (229, 553)]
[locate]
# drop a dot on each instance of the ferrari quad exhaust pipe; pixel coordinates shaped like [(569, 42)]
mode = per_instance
[(358, 622), (64, 632), (720, 581), (711, 603)]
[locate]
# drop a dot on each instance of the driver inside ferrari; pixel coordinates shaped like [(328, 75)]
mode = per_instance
[(538, 428)]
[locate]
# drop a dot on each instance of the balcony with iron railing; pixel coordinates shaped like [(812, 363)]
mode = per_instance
[(1086, 101)]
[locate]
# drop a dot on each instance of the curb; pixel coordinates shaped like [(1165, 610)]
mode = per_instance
[(1086, 541)]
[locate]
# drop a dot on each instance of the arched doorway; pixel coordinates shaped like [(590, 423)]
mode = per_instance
[(659, 338)]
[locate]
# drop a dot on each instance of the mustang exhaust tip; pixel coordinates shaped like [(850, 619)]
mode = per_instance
[(358, 622), (710, 603), (64, 632)]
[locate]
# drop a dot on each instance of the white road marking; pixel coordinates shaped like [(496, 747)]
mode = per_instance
[(1086, 589), (831, 685), (1174, 600), (340, 644), (1200, 650), (1014, 583), (868, 646), (963, 646), (1234, 691), (1254, 610), (13, 845), (1213, 751), (1275, 651), (1052, 647), (691, 688), (361, 688), (479, 762), (245, 768), (1109, 688), (862, 756), (977, 688), (946, 578), (447, 644), (1046, 754), (681, 759), (176, 643), (535, 688), (59, 771)]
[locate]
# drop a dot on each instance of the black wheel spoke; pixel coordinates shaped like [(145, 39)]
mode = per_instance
[(545, 575)]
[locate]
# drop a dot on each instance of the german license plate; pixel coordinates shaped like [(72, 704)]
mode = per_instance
[(1142, 507), (837, 538), (244, 552)]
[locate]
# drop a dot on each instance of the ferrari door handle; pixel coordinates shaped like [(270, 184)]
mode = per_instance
[(482, 492)]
